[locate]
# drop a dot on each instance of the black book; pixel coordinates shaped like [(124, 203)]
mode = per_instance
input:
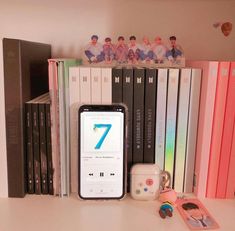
[(150, 115), (25, 77), (49, 149), (30, 140), (29, 148), (42, 146), (138, 115), (36, 149), (117, 85), (127, 96)]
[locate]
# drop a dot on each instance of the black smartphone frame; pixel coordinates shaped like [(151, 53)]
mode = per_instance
[(102, 108)]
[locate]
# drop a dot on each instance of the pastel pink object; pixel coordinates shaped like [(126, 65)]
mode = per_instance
[(231, 174), (227, 137), (217, 129), (206, 111)]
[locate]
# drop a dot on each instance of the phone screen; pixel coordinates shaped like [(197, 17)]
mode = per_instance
[(101, 150)]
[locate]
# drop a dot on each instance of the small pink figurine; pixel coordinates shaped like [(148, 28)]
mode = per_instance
[(168, 198)]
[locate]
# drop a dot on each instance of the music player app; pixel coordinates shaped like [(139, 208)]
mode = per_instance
[(101, 154)]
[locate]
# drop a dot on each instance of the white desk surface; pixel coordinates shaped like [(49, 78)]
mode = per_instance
[(48, 213)]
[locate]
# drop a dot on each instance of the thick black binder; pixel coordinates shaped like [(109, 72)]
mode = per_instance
[(25, 77), (138, 115), (117, 85), (127, 96), (150, 115)]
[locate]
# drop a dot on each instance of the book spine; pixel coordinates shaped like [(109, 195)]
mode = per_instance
[(117, 85), (217, 128), (182, 129), (53, 87), (43, 151), (226, 145), (161, 117), (138, 116), (14, 118), (29, 148), (230, 189), (67, 167), (192, 129), (128, 90), (172, 97), (106, 93), (49, 150), (207, 99), (96, 80), (150, 115), (85, 85), (36, 149), (3, 156), (62, 129), (74, 89)]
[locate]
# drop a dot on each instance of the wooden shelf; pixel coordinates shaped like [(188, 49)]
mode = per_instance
[(37, 213)]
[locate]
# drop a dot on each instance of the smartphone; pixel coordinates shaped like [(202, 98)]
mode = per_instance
[(102, 157)]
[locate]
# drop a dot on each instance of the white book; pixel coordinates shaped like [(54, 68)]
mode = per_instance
[(62, 129), (85, 85), (172, 97), (192, 129), (96, 80), (74, 99), (3, 152), (182, 127), (106, 85), (64, 65), (161, 117)]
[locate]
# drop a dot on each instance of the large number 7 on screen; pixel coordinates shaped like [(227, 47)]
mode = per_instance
[(107, 128)]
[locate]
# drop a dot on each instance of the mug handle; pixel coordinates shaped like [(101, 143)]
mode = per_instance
[(165, 179)]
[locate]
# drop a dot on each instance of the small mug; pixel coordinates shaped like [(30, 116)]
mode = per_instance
[(147, 180)]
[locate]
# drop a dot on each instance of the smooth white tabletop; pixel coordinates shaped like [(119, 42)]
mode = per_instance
[(48, 213)]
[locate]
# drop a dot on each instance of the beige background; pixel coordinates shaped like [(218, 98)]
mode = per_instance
[(68, 25)]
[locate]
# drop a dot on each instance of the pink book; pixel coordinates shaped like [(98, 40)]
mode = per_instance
[(227, 136), (53, 88), (206, 111), (217, 129), (230, 192)]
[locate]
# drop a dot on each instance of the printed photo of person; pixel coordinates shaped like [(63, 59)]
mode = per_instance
[(159, 50), (94, 50), (175, 50), (109, 50), (146, 53), (133, 50), (196, 216), (121, 51)]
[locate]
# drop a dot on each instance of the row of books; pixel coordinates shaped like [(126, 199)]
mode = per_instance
[(162, 109), (38, 145), (163, 114), (215, 156), (174, 105)]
